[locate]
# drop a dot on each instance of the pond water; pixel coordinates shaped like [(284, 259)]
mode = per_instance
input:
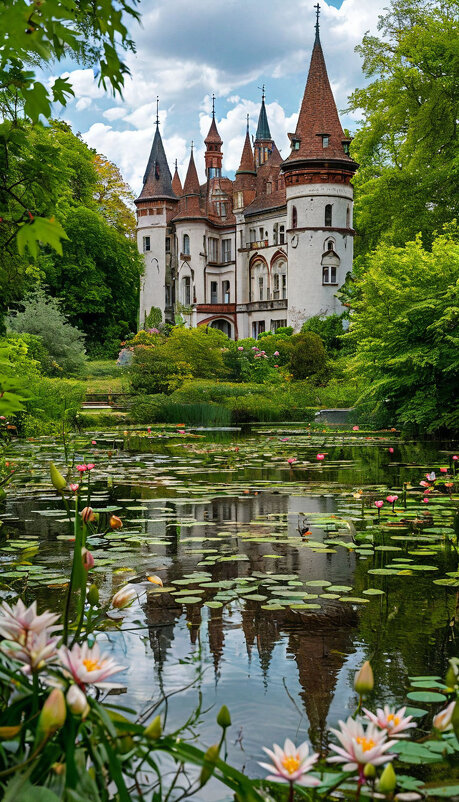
[(279, 579)]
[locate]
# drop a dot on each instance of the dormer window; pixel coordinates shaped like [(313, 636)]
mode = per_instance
[(295, 143), (325, 140), (346, 146)]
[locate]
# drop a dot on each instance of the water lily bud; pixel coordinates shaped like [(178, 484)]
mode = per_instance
[(442, 721), (93, 595), (124, 597), (154, 729), (56, 477), (87, 559), (87, 515), (451, 678), (369, 771), (210, 757), (388, 780), (224, 718), (364, 680), (115, 522), (52, 716), (77, 702)]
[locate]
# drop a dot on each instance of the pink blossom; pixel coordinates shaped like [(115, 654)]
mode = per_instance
[(87, 558), (355, 428), (291, 764), (87, 666), (181, 431), (17, 621), (390, 450), (74, 488), (360, 746), (442, 721), (424, 484), (320, 457), (443, 470), (392, 499), (379, 504), (431, 476), (276, 353), (149, 429), (34, 649), (90, 466), (392, 720), (292, 460), (276, 366), (82, 468), (93, 442), (455, 457), (425, 500), (240, 348)]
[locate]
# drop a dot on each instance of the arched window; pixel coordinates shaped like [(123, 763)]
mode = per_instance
[(259, 282), (328, 214), (294, 217), (186, 290), (279, 272), (186, 244), (330, 245)]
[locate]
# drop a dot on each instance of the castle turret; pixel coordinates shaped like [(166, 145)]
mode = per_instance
[(246, 175), (156, 205), (263, 145), (213, 142), (318, 175), (176, 183)]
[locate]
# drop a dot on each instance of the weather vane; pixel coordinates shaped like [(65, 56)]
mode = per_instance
[(157, 110), (262, 88), (213, 105), (248, 122)]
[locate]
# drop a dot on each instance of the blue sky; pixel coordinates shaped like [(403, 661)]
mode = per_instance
[(186, 51)]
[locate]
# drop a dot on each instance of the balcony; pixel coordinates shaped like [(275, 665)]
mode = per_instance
[(263, 306)]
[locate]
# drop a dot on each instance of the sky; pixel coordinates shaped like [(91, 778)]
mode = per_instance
[(189, 49)]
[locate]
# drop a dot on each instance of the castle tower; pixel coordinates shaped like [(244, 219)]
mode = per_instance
[(318, 175), (263, 145), (213, 142), (156, 205), (246, 176), (176, 183)]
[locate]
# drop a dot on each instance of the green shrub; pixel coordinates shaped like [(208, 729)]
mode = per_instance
[(53, 402), (42, 316), (153, 371), (162, 409), (329, 329), (307, 357)]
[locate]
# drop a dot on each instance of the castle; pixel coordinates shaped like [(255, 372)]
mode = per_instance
[(266, 250)]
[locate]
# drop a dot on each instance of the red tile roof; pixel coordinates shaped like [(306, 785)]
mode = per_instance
[(247, 163)]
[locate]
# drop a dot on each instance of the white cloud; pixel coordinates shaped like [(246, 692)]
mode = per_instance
[(114, 113)]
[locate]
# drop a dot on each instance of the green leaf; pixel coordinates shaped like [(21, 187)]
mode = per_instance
[(40, 230), (426, 696)]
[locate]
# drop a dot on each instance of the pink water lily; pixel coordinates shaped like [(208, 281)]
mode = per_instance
[(355, 428), (390, 450), (82, 468), (74, 488), (17, 621), (35, 650), (292, 460), (431, 476), (90, 466), (392, 499), (88, 666), (320, 457), (291, 764), (392, 720), (442, 721), (360, 745), (443, 470)]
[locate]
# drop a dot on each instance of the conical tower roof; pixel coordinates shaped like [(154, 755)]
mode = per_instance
[(157, 181), (176, 183), (213, 137), (318, 115), (191, 185), (247, 163), (263, 132)]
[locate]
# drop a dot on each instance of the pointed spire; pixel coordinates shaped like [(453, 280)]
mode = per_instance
[(176, 183), (263, 132), (318, 134), (191, 185), (247, 163), (213, 137), (157, 111), (157, 181)]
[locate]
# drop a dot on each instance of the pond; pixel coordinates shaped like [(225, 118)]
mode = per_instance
[(280, 575)]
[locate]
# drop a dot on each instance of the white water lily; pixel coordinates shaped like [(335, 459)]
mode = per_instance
[(360, 745), (291, 764), (87, 666), (392, 720)]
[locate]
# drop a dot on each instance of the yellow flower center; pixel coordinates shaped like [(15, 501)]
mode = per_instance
[(291, 764), (365, 743), (91, 665), (393, 719)]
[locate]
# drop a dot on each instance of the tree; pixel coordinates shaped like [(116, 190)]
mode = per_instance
[(34, 33), (407, 145), (98, 278), (113, 197), (42, 316), (307, 356), (329, 329), (404, 328)]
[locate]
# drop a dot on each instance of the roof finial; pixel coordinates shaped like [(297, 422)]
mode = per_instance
[(317, 8), (176, 165), (248, 122), (213, 107), (192, 146), (263, 93), (157, 110)]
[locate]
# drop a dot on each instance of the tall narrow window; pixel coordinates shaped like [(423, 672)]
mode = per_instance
[(260, 288), (276, 286), (348, 217), (226, 292), (282, 235), (168, 244), (146, 244), (260, 232), (275, 233), (284, 285), (226, 250), (186, 245), (328, 214), (325, 141), (186, 290), (329, 275), (294, 217), (213, 292)]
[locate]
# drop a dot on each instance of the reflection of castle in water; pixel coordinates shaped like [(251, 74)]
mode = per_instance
[(318, 641)]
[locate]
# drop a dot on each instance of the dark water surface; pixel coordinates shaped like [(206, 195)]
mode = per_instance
[(217, 516)]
